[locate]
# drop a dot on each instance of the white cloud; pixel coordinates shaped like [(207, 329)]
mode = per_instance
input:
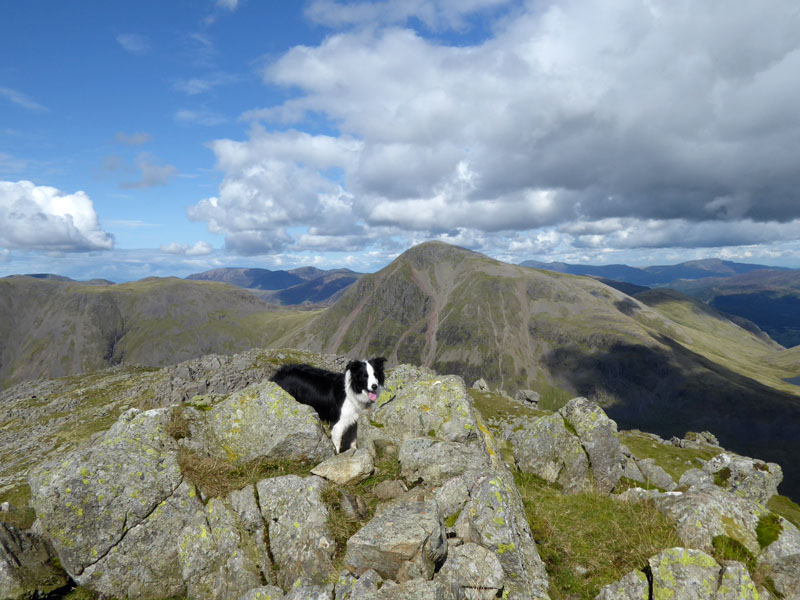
[(134, 43), (201, 85), (20, 99), (200, 248), (617, 115), (152, 173), (43, 218), (231, 5)]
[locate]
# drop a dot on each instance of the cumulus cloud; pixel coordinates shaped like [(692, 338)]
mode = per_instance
[(152, 173), (200, 248), (644, 119), (134, 43), (34, 217)]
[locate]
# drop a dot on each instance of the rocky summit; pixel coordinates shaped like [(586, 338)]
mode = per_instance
[(451, 493)]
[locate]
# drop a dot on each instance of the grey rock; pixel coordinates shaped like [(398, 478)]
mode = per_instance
[(631, 470), (265, 592), (114, 510), (528, 397), (433, 461), (548, 449), (634, 586), (472, 572), (415, 589), (387, 490), (260, 421), (405, 541), (352, 505), (220, 559), (495, 519), (453, 494), (480, 385), (438, 407), (348, 587), (655, 475), (695, 478), (749, 478), (307, 589), (299, 540), (27, 564), (701, 514), (598, 436), (782, 558), (684, 574), (351, 466), (735, 583)]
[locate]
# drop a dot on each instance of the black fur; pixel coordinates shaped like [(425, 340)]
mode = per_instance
[(325, 391)]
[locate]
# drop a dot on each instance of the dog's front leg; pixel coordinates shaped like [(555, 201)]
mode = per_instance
[(336, 436)]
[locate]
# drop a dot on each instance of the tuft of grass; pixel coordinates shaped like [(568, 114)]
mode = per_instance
[(722, 477), (216, 477), (768, 530), (727, 548), (786, 508), (590, 540)]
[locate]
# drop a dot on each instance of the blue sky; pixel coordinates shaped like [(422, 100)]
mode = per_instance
[(166, 138)]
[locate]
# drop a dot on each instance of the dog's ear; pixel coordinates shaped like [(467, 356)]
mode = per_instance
[(354, 366), (378, 362)]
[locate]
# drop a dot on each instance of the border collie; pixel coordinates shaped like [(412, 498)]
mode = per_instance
[(338, 398)]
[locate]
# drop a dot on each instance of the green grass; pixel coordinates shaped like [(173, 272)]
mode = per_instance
[(672, 459), (786, 508), (590, 540), (20, 515)]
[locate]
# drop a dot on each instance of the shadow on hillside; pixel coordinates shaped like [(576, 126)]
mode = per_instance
[(672, 390)]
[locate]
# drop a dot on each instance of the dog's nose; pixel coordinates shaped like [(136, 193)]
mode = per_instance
[(374, 386)]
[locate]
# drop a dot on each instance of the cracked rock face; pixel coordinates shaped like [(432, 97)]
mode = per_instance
[(403, 542), (27, 567), (296, 517), (104, 507)]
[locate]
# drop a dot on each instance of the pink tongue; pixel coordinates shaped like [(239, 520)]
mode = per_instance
[(373, 396)]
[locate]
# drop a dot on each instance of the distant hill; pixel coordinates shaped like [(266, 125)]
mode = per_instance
[(770, 299), (655, 275), (51, 328), (293, 287), (665, 363)]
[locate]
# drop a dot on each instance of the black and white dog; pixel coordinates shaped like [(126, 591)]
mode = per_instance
[(337, 397)]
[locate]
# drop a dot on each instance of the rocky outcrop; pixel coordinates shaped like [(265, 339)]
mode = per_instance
[(127, 518), (684, 574), (576, 447)]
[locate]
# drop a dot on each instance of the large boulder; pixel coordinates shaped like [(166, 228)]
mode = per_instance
[(434, 461), (28, 566), (438, 407), (749, 478), (351, 466), (260, 421), (299, 540), (598, 436), (549, 450), (114, 510), (404, 541), (494, 518)]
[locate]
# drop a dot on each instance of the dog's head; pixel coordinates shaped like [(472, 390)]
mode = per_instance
[(365, 380)]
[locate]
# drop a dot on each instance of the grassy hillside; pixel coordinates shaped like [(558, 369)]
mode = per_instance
[(770, 299), (51, 328), (664, 363)]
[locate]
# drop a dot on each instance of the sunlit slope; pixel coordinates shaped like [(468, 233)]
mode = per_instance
[(53, 328)]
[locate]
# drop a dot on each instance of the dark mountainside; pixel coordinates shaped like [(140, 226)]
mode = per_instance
[(51, 328), (665, 364), (771, 299), (304, 285), (654, 275)]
